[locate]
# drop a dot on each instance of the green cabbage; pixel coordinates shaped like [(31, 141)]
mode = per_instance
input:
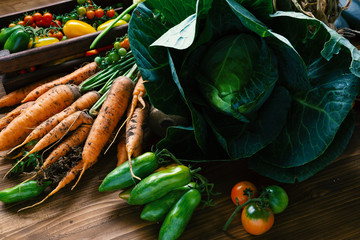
[(275, 89)]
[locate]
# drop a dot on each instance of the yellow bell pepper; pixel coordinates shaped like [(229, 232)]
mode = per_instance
[(76, 28), (30, 45), (43, 41), (107, 23)]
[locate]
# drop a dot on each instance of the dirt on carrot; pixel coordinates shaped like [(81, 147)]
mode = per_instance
[(54, 101), (4, 121), (82, 103), (76, 77), (135, 131), (109, 116)]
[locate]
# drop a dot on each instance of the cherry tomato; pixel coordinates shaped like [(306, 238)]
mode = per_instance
[(98, 60), (122, 52), (117, 45), (21, 23), (126, 18), (32, 68), (90, 14), (110, 13), (81, 2), (28, 20), (40, 23), (59, 35), (238, 192), (45, 24), (114, 56), (22, 71), (12, 25), (278, 198), (65, 19), (81, 11), (125, 43), (257, 220), (37, 16), (74, 16), (55, 23), (47, 17), (99, 13)]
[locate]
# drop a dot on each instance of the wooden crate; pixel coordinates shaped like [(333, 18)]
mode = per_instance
[(11, 63)]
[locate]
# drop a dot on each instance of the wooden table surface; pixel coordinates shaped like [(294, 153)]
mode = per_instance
[(326, 206)]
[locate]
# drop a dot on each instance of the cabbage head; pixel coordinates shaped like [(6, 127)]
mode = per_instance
[(274, 88)]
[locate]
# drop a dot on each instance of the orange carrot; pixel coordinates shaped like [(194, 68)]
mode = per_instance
[(15, 97), (75, 139), (109, 115), (46, 106), (84, 102), (138, 94), (122, 155), (70, 123), (13, 114), (76, 77), (135, 133), (65, 180)]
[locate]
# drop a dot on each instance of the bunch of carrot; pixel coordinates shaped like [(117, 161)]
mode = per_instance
[(54, 115)]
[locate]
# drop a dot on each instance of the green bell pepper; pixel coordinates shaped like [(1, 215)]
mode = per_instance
[(6, 32), (18, 41)]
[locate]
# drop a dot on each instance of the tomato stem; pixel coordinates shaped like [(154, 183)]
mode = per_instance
[(239, 207)]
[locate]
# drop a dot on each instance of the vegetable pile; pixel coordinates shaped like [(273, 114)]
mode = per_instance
[(169, 193), (38, 28), (273, 88), (62, 126), (257, 216)]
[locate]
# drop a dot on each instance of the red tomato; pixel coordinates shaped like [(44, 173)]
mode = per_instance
[(37, 16), (32, 69), (55, 23), (90, 14), (257, 220), (40, 23), (125, 43), (28, 20), (238, 192), (22, 71), (21, 23), (59, 35), (110, 13), (47, 17), (45, 24), (99, 13)]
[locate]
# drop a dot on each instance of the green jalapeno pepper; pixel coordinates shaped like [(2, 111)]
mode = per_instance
[(6, 32), (23, 191), (126, 193), (158, 184), (156, 211), (179, 216), (18, 41), (121, 178)]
